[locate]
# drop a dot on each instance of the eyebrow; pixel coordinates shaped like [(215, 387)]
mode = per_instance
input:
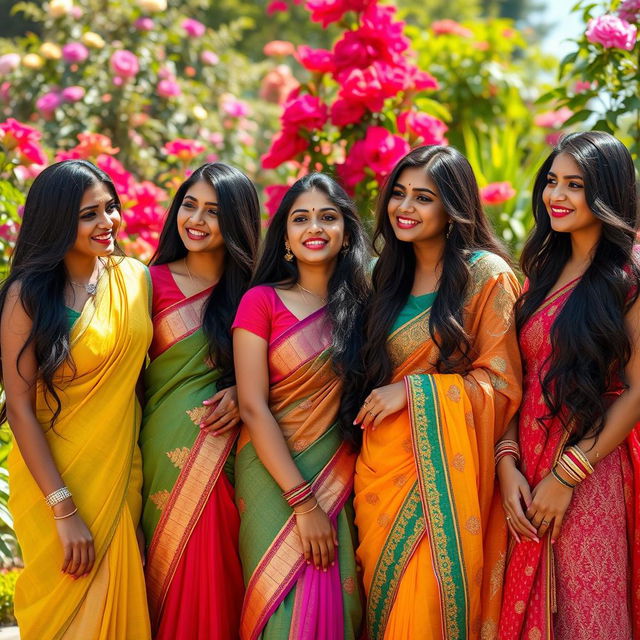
[(215, 204), (420, 189), (571, 177), (93, 206), (307, 210)]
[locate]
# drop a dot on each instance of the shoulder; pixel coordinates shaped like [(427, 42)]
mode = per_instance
[(485, 269), (130, 266), (262, 294)]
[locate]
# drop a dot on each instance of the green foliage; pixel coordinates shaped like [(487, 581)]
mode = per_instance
[(7, 591), (420, 13)]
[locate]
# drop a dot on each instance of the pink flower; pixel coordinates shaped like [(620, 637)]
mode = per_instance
[(146, 213), (611, 32), (124, 63), (31, 153), (168, 88), (234, 107), (430, 129), (193, 28), (326, 11), (553, 119), (422, 81), (450, 27), (319, 60), (285, 146), (73, 94), (552, 139), (75, 52), (5, 91), (277, 6), (122, 179), (497, 193), (363, 85), (582, 85), (278, 48), (274, 194), (629, 10), (184, 149), (305, 112), (210, 58), (344, 112), (15, 133), (9, 62), (278, 84), (90, 146), (48, 103), (144, 24)]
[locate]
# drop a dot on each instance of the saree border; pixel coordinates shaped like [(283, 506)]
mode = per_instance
[(406, 533), (280, 566), (198, 477), (438, 502)]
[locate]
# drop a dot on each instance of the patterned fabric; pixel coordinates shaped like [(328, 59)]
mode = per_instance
[(431, 527)]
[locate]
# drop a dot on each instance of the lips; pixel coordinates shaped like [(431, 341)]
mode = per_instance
[(560, 212), (406, 223), (103, 238), (315, 244), (196, 234)]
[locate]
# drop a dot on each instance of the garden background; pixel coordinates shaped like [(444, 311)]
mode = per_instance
[(150, 89)]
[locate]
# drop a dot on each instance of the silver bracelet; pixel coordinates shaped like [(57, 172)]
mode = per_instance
[(57, 496)]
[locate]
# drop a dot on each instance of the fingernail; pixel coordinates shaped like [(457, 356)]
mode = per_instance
[(202, 425), (206, 402), (355, 422), (308, 562), (325, 570), (537, 540), (553, 542), (333, 564)]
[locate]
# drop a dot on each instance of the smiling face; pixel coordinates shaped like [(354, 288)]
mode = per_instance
[(98, 222), (565, 199), (315, 228), (197, 219), (415, 210)]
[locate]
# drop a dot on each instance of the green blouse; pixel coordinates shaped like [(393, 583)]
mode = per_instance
[(414, 306)]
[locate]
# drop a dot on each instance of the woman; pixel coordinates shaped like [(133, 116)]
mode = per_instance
[(199, 272), (573, 503), (74, 333), (443, 380), (295, 334)]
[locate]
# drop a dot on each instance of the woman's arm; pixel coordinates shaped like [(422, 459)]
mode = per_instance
[(252, 376), (20, 392)]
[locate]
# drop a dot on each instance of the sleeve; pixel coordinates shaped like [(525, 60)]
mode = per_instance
[(255, 312)]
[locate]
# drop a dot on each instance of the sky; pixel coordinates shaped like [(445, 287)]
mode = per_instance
[(562, 25)]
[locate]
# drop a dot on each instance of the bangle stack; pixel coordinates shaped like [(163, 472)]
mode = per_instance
[(299, 494), (57, 496), (575, 466), (507, 448)]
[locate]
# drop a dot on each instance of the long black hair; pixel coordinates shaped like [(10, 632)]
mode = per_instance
[(394, 272), (239, 220), (590, 345), (348, 287), (48, 231)]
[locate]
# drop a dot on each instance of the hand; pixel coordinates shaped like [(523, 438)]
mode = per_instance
[(319, 538), (225, 416), (515, 490), (141, 544), (380, 403), (77, 543), (550, 502)]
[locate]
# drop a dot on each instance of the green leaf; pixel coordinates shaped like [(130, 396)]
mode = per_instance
[(579, 116)]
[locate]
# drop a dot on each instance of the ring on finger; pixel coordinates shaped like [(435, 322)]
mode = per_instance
[(507, 518), (544, 523)]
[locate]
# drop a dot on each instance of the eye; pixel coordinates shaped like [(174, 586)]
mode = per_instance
[(424, 199), (113, 207), (329, 217), (88, 215), (397, 193), (299, 218), (187, 204), (551, 180), (575, 185)]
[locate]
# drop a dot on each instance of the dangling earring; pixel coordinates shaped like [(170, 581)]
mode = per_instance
[(288, 255), (345, 248), (449, 228)]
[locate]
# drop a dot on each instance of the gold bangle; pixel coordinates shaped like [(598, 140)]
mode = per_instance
[(303, 513), (68, 515)]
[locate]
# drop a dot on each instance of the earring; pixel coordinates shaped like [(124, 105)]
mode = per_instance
[(288, 255), (449, 228), (345, 248)]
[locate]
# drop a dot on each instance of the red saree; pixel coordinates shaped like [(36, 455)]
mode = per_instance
[(579, 588)]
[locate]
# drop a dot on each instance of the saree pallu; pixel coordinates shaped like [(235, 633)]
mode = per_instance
[(431, 525), (190, 521), (285, 597), (94, 446), (586, 585)]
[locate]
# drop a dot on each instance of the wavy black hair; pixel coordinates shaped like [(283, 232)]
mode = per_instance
[(49, 229), (590, 345), (348, 287), (239, 220), (394, 272)]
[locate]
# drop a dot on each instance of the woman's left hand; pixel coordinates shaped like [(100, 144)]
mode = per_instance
[(380, 403), (225, 416), (550, 501)]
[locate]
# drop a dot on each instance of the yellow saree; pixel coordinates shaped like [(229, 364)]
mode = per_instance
[(94, 445), (430, 522)]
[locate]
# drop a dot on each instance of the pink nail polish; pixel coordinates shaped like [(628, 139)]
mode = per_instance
[(553, 542)]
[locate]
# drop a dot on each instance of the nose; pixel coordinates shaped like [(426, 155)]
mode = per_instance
[(557, 192), (315, 224), (405, 204)]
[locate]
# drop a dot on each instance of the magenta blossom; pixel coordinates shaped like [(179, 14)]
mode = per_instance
[(72, 94), (277, 6), (122, 179), (431, 130), (124, 63), (304, 112), (285, 146), (319, 60), (553, 119), (184, 149), (75, 52), (497, 193), (344, 112), (629, 10), (611, 32), (9, 62), (274, 194), (234, 107), (144, 24), (168, 88), (193, 28), (48, 103), (209, 57)]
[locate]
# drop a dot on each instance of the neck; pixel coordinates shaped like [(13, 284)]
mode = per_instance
[(205, 265), (316, 278), (584, 243), (80, 267), (429, 253)]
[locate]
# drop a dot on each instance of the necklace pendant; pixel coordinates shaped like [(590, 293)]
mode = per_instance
[(91, 288)]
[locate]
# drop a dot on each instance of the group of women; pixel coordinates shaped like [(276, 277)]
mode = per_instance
[(302, 443)]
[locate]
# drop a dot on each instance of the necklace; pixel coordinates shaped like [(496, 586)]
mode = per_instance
[(90, 287), (316, 295), (186, 266)]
